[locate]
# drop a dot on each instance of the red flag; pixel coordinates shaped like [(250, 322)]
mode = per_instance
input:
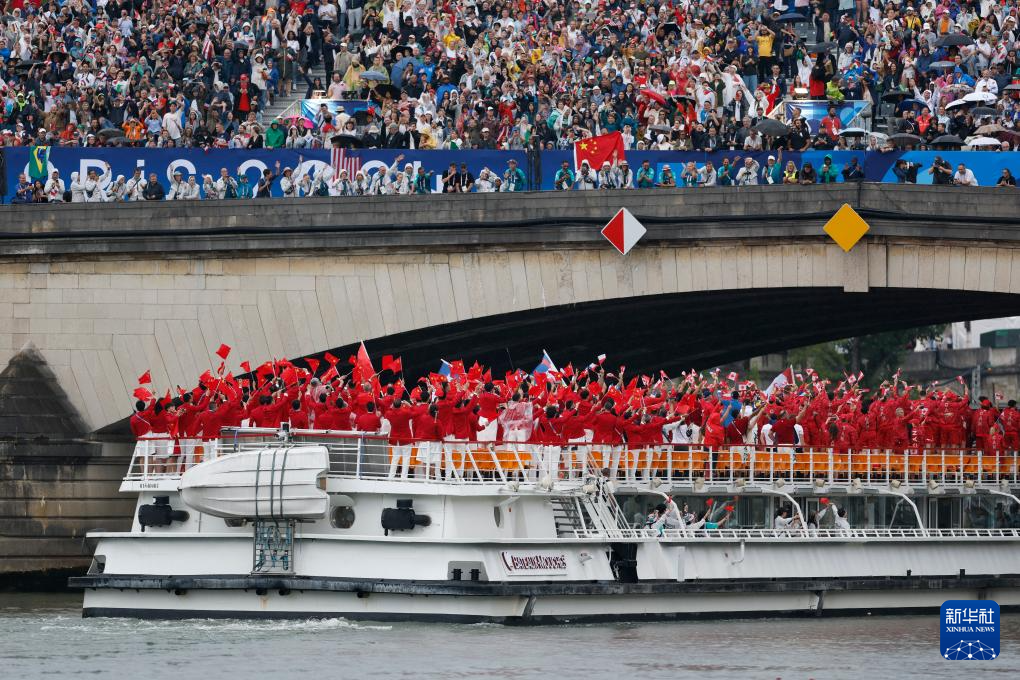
[(391, 364), (263, 370), (487, 376), (145, 378), (289, 375), (456, 368), (223, 351), (206, 378), (142, 394), (569, 370), (363, 369), (330, 359), (313, 365), (598, 150), (246, 366), (223, 365)]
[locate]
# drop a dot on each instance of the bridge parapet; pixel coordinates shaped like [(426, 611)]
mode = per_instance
[(479, 220)]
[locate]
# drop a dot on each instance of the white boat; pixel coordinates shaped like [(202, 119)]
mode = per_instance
[(519, 534)]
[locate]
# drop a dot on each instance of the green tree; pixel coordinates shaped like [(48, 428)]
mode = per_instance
[(878, 355)]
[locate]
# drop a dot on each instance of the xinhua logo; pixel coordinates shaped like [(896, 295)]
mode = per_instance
[(970, 630)]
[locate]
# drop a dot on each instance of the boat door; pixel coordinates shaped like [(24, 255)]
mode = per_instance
[(943, 513)]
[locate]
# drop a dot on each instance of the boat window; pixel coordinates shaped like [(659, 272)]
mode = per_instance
[(235, 522), (342, 517), (497, 515)]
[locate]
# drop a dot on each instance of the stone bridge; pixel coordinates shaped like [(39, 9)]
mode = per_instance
[(107, 292)]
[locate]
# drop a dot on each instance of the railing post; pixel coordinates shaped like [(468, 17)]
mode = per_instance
[(361, 449)]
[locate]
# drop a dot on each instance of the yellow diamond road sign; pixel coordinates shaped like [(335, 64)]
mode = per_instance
[(846, 227)]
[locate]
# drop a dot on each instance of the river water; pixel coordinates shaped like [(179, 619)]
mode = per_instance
[(44, 636)]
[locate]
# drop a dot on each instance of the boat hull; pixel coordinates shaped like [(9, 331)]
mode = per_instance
[(271, 597)]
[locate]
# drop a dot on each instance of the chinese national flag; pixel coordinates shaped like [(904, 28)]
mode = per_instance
[(313, 365), (223, 351), (363, 369), (145, 378), (391, 364), (597, 150), (246, 366), (330, 359), (142, 394)]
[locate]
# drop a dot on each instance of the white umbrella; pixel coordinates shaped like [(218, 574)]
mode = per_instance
[(853, 132), (955, 103), (986, 97), (983, 141), (880, 136)]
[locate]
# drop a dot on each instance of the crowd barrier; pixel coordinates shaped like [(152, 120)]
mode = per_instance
[(539, 167)]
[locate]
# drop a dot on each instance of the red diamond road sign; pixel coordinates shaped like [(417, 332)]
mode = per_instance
[(623, 231)]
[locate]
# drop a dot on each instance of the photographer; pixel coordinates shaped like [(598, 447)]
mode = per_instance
[(906, 173), (941, 172)]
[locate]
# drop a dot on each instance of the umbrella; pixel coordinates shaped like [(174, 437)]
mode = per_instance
[(904, 139), (948, 140), (980, 111), (915, 104), (26, 66), (383, 90), (660, 128), (958, 87), (880, 136), (1013, 87), (853, 132), (821, 47), (954, 40), (106, 133), (364, 117), (956, 103), (992, 129), (983, 141), (57, 56), (397, 72), (986, 97), (374, 75), (681, 98), (119, 141), (895, 96), (790, 16), (772, 127), (654, 96), (942, 64), (347, 141), (299, 121)]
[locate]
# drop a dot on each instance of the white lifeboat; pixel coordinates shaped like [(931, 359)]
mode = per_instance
[(271, 483)]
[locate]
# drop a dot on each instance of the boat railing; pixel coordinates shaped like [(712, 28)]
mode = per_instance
[(774, 534), (365, 456)]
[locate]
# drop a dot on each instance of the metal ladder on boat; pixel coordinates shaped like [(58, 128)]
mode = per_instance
[(273, 547)]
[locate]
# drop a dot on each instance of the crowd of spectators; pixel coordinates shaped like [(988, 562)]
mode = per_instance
[(523, 74)]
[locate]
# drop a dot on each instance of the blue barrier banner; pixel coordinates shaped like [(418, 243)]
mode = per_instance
[(310, 107), (878, 167), (198, 162), (814, 110)]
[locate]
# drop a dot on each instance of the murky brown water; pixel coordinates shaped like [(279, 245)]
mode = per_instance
[(43, 636)]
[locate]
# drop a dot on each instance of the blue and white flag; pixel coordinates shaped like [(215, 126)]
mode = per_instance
[(545, 365)]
